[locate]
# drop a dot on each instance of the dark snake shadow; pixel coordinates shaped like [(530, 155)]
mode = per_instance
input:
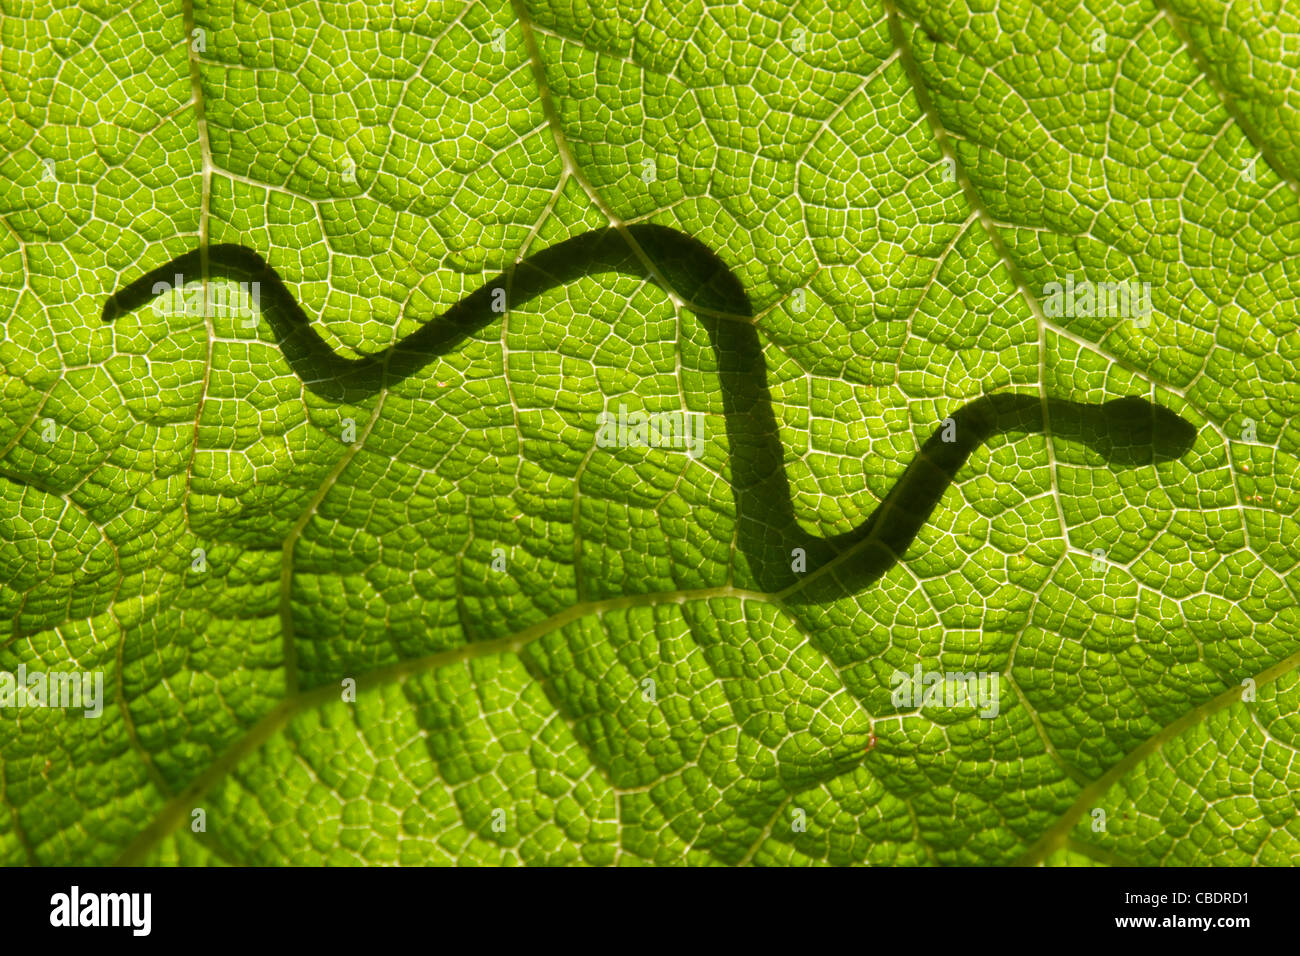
[(1126, 432)]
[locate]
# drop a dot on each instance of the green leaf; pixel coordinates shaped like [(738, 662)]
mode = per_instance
[(372, 572)]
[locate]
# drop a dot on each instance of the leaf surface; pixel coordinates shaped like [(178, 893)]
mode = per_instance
[(230, 520)]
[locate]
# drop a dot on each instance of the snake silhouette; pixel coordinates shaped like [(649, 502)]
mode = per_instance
[(1129, 431)]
